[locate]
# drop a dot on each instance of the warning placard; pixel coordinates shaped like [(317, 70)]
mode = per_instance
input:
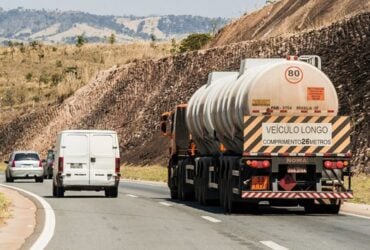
[(315, 94), (296, 134)]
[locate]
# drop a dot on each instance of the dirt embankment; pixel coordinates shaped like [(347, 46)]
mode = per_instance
[(130, 98), (288, 17)]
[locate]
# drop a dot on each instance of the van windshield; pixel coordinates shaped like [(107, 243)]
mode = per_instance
[(26, 156)]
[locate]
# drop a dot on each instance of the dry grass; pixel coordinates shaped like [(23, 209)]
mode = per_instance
[(36, 75), (4, 207), (2, 167), (145, 173), (361, 189)]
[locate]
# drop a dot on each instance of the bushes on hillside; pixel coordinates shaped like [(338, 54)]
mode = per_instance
[(194, 42)]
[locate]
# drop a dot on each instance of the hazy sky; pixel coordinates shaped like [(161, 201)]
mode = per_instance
[(211, 8)]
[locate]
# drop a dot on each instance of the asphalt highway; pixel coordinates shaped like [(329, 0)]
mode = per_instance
[(144, 217)]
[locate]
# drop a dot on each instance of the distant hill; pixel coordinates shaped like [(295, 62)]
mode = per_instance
[(63, 27)]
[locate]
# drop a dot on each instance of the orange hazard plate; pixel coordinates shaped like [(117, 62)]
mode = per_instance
[(260, 182)]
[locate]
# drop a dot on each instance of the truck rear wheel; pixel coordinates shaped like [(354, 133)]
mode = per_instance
[(322, 209)]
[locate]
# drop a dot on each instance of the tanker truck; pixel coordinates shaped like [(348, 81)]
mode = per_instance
[(268, 134)]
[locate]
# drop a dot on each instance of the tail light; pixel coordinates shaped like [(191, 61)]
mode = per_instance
[(335, 164), (13, 164), (259, 163), (118, 165), (40, 164), (60, 164)]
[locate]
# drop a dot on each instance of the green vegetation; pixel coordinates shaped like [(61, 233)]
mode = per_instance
[(4, 207), (145, 173), (361, 189), (81, 40), (112, 39), (194, 42)]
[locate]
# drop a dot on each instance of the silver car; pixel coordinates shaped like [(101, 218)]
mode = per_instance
[(24, 165)]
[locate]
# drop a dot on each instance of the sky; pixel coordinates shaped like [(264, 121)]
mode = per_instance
[(209, 8)]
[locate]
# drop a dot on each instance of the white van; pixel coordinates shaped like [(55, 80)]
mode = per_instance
[(86, 160)]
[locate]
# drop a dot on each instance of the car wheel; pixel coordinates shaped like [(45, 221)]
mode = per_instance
[(60, 191), (54, 190)]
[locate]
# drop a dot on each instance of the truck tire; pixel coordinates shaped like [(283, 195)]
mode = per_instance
[(231, 205), (183, 194), (322, 209), (174, 194), (204, 187)]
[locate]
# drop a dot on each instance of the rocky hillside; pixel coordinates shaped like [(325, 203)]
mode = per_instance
[(130, 98), (288, 17), (63, 27)]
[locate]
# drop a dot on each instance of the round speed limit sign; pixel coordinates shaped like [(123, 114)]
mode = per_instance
[(293, 74)]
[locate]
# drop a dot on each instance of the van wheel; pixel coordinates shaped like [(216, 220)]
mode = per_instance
[(114, 192), (9, 179)]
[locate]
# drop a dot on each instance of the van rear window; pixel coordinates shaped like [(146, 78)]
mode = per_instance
[(25, 156), (76, 144)]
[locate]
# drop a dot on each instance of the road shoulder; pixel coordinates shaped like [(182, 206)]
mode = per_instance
[(356, 209), (22, 222)]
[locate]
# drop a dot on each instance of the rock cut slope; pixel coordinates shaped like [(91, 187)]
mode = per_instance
[(130, 98), (287, 17)]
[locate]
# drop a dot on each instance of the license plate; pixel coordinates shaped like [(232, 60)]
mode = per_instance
[(74, 165), (260, 182), (297, 170)]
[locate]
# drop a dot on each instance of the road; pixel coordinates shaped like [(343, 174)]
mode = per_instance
[(143, 217)]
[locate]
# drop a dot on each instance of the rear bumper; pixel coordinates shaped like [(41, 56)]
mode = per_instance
[(26, 173), (296, 195)]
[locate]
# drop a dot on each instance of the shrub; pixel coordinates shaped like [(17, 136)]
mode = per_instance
[(194, 42), (29, 76)]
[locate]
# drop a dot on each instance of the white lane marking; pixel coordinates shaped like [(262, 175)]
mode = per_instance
[(165, 204), (131, 195), (273, 245), (211, 219), (49, 225), (355, 215)]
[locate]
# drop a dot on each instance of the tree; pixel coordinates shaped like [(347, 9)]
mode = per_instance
[(194, 42), (174, 47), (112, 38), (81, 40)]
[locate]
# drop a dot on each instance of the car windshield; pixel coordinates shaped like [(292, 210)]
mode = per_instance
[(26, 156), (50, 155)]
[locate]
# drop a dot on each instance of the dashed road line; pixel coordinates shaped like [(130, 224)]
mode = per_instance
[(355, 215), (165, 204), (49, 224), (211, 219), (273, 245), (131, 195)]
